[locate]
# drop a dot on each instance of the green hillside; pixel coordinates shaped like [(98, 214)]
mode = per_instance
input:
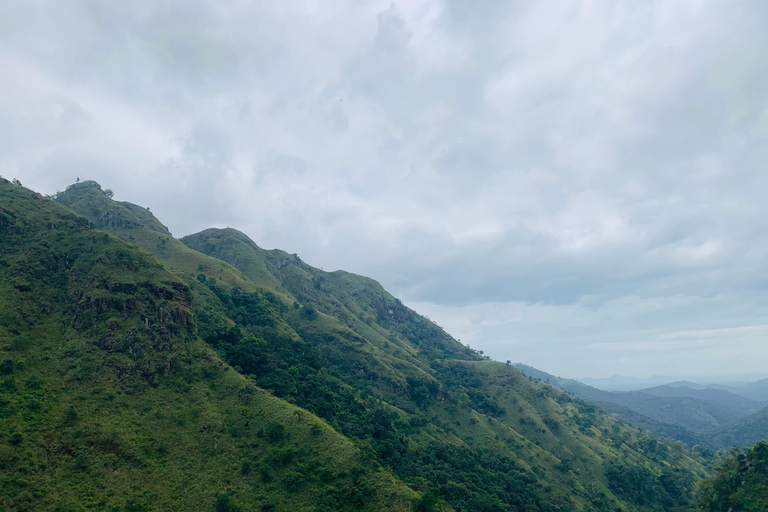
[(110, 401), (466, 400), (440, 417)]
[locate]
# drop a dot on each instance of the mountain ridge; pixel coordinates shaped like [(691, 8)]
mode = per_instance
[(110, 401), (461, 430)]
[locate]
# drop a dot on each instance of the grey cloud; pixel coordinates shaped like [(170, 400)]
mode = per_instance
[(545, 179)]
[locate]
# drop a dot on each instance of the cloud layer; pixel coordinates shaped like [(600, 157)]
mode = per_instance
[(576, 185)]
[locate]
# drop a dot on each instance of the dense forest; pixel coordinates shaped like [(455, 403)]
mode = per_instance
[(143, 372)]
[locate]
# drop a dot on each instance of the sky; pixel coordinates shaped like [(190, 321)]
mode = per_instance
[(576, 185)]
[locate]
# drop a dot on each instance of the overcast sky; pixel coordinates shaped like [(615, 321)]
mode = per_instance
[(580, 186)]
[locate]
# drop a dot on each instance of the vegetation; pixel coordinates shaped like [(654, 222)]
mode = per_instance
[(710, 418), (744, 431), (530, 432), (741, 484), (110, 401), (261, 383)]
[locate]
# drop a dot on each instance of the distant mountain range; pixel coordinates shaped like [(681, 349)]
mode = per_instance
[(715, 415), (623, 383)]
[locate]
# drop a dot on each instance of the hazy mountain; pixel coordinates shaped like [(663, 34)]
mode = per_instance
[(735, 402), (685, 384), (754, 390), (621, 383), (701, 415)]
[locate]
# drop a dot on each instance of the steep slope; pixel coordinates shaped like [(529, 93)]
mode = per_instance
[(452, 424), (110, 401), (138, 226), (220, 291), (478, 406), (358, 302)]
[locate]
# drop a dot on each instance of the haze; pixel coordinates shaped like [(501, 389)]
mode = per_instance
[(579, 186)]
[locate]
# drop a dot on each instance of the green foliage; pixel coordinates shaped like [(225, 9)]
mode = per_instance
[(225, 503), (741, 483), (355, 387), (469, 434), (667, 492), (109, 400)]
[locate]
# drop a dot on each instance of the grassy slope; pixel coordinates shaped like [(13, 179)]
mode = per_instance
[(110, 401), (138, 226), (431, 409), (554, 440)]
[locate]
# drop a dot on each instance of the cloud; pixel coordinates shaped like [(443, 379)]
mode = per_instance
[(540, 178)]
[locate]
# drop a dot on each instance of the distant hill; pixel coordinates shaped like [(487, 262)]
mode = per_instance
[(754, 390), (744, 431), (701, 416), (622, 383), (684, 384), (737, 403)]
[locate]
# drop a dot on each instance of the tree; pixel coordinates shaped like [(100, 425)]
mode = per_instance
[(224, 503), (108, 192), (741, 482)]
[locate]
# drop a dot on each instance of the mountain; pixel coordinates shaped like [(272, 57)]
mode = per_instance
[(740, 405), (705, 416), (683, 384), (744, 431), (109, 400), (754, 390), (289, 388), (621, 383), (611, 403)]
